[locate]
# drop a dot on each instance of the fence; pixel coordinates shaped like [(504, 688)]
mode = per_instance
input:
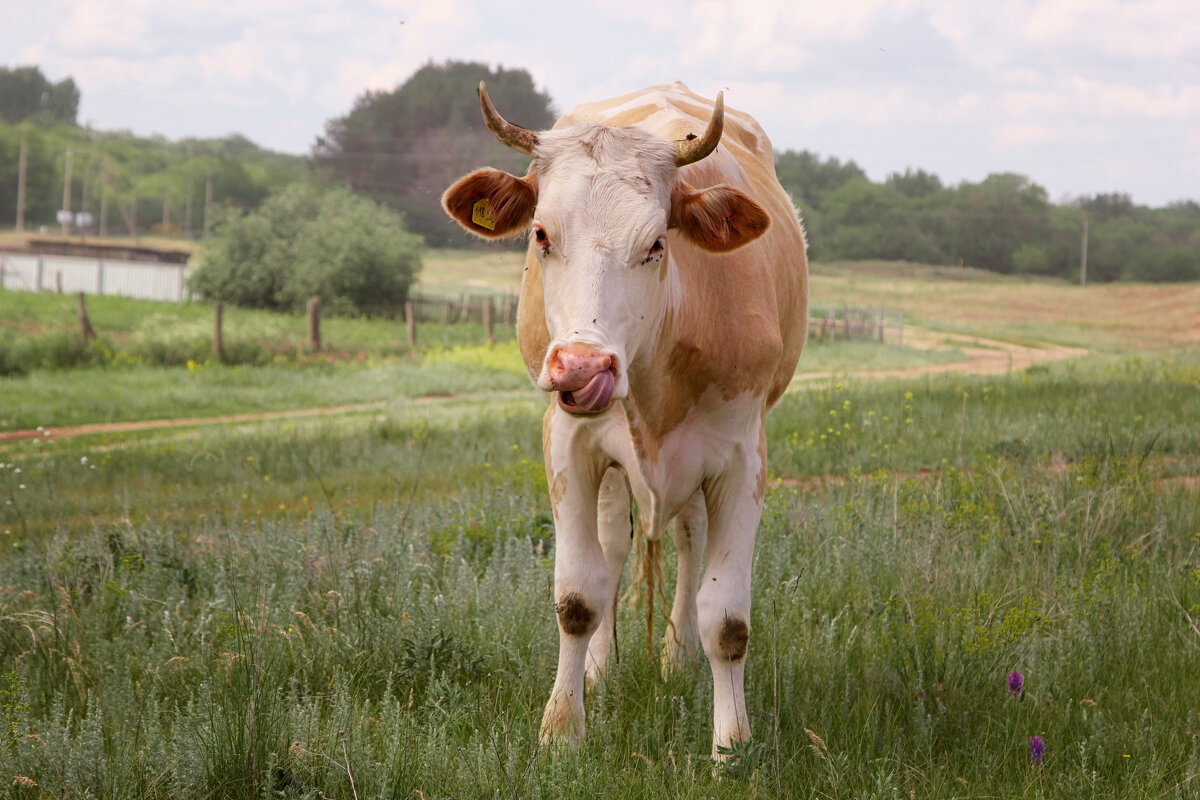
[(830, 323), (452, 309), (143, 280)]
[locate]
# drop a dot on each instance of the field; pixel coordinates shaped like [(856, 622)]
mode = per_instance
[(345, 591)]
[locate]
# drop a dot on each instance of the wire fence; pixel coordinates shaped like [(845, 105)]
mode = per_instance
[(168, 282)]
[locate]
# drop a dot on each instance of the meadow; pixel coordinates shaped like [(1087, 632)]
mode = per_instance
[(357, 603)]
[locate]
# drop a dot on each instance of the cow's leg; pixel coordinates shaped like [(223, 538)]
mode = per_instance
[(690, 533), (616, 537), (582, 585), (734, 503)]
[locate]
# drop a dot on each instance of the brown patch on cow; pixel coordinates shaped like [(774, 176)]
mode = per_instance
[(735, 636), (574, 616), (631, 116), (558, 489), (511, 201)]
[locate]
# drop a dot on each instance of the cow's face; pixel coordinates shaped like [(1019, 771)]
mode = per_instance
[(597, 205)]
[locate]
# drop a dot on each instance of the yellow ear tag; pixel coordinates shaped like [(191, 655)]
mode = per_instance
[(481, 215)]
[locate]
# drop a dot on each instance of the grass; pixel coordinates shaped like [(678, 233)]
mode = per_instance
[(40, 331), (167, 629), (358, 604)]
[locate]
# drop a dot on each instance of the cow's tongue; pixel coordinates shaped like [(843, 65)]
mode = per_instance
[(594, 396)]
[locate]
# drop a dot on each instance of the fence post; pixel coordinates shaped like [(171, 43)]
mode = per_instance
[(410, 321), (488, 329), (38, 287), (218, 339), (99, 277), (314, 323), (880, 324), (901, 337), (85, 325), (182, 269), (58, 280), (832, 317)]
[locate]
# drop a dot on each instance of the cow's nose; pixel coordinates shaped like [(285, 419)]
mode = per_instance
[(571, 367)]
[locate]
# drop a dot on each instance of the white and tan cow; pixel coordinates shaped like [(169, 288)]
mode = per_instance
[(663, 309)]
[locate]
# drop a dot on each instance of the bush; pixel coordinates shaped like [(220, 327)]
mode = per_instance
[(353, 253)]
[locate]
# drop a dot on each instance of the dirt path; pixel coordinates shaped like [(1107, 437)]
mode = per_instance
[(983, 357), (987, 357), (156, 424)]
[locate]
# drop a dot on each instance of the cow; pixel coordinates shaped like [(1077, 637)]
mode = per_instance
[(663, 308)]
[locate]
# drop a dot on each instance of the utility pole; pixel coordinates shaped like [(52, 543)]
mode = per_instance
[(83, 201), (207, 201), (187, 206), (21, 178), (66, 203), (166, 226), (103, 197), (1083, 254)]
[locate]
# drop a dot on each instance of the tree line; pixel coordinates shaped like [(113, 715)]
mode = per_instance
[(151, 183), (1004, 223), (401, 147)]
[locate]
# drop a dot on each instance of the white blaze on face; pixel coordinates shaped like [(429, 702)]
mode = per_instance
[(600, 233)]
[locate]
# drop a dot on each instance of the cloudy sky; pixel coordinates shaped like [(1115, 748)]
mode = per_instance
[(1083, 96)]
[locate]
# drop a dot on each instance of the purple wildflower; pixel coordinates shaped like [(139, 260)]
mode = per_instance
[(1015, 682), (1037, 749)]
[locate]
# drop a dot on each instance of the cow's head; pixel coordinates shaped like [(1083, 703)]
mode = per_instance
[(597, 204)]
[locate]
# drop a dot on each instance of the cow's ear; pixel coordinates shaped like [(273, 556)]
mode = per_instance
[(491, 203), (719, 218)]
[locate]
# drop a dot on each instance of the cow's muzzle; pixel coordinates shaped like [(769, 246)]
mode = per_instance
[(584, 379)]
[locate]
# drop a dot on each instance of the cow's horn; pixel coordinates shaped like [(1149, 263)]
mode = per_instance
[(518, 139), (689, 151)]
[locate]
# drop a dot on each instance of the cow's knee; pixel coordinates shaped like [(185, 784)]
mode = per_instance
[(725, 637), (733, 637), (576, 616)]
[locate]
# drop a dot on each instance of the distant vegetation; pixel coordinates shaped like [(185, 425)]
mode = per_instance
[(243, 174), (1004, 224), (352, 252), (402, 148)]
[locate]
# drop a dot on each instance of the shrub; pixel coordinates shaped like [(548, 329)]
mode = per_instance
[(353, 253)]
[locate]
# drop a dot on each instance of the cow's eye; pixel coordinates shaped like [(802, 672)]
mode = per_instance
[(542, 238), (655, 252)]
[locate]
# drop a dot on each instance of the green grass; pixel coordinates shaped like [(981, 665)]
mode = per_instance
[(861, 354), (57, 398), (39, 331), (166, 629)]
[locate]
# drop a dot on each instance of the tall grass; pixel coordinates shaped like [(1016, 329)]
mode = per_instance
[(407, 644)]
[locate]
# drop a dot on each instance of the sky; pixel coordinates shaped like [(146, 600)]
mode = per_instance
[(1081, 96)]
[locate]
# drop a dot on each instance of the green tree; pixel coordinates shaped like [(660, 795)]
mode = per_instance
[(25, 93), (405, 146), (40, 175), (990, 220), (352, 252), (809, 179)]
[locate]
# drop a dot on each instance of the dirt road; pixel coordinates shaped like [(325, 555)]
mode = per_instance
[(983, 357)]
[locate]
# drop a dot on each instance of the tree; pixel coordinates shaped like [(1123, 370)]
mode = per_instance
[(992, 219), (352, 252), (25, 93), (809, 179), (404, 147)]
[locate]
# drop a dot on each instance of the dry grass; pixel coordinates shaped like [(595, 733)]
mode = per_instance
[(1112, 315)]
